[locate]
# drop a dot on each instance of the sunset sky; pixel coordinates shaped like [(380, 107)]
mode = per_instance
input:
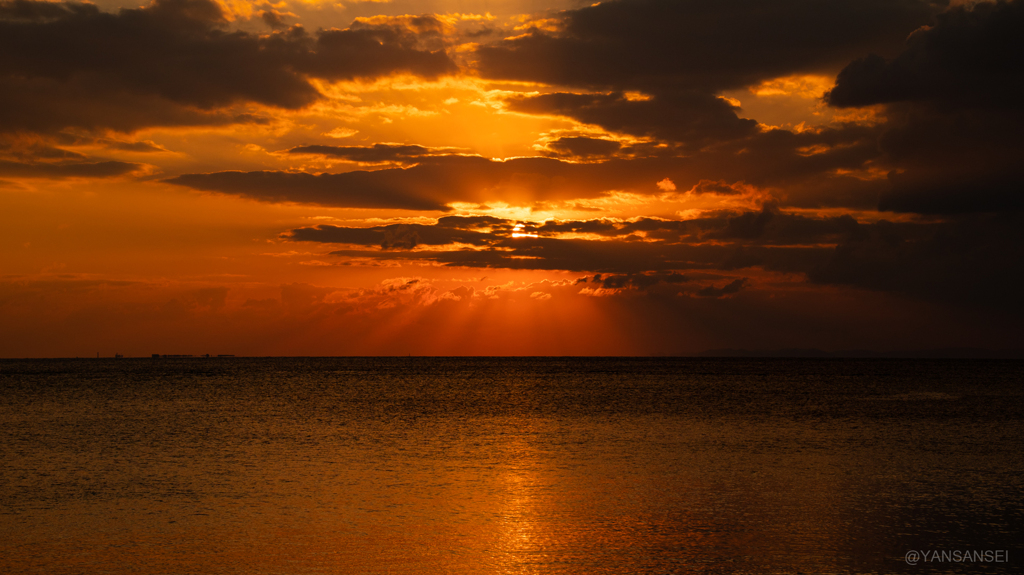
[(509, 177)]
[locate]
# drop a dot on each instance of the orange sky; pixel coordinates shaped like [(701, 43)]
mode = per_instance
[(635, 177)]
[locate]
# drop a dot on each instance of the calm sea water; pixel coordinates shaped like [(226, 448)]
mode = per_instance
[(429, 466)]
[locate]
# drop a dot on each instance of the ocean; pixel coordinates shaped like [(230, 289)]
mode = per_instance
[(511, 466)]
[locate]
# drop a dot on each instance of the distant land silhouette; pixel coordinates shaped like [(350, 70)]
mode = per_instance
[(937, 353)]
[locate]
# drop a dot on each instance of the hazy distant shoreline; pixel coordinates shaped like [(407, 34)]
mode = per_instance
[(723, 353)]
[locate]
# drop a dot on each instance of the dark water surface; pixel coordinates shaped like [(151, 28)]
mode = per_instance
[(429, 466)]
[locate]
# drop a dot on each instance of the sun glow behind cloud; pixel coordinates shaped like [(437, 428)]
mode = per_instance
[(288, 184)]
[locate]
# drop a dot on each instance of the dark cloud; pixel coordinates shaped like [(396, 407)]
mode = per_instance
[(474, 222), (966, 261), (60, 170), (582, 147), (720, 187), (955, 192), (42, 157), (364, 50), (141, 146), (953, 111), (376, 153), (748, 226), (396, 236), (668, 245), (567, 254), (680, 55), (429, 185), (818, 169), (971, 58), (691, 116), (45, 150), (776, 159), (706, 46), (636, 281), (48, 105), (728, 289), (552, 227), (950, 160), (351, 189), (273, 18), (174, 62), (505, 251), (768, 227), (772, 227), (176, 49)]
